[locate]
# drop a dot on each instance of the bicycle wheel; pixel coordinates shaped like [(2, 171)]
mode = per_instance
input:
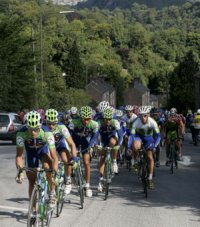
[(172, 160), (80, 185), (144, 179), (60, 199), (107, 179), (35, 209)]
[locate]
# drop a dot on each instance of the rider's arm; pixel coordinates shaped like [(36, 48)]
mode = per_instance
[(52, 150), (19, 150), (156, 133), (95, 129)]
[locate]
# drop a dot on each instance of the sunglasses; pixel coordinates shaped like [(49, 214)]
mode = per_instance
[(34, 129), (144, 116), (51, 123), (86, 119), (108, 119)]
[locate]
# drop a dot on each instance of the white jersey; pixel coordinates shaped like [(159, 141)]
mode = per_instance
[(145, 129), (129, 121)]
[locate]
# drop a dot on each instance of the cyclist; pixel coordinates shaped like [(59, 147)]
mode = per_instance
[(85, 134), (66, 120), (101, 107), (196, 126), (128, 118), (111, 135), (65, 146), (39, 144), (157, 116), (145, 131), (173, 123), (74, 113)]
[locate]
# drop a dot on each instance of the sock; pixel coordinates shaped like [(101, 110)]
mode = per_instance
[(87, 185), (150, 176)]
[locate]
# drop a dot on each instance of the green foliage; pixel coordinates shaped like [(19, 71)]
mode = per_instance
[(38, 45)]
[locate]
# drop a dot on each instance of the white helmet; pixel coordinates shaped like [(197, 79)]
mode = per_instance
[(119, 113), (144, 109), (103, 105), (112, 108), (73, 110), (173, 111), (129, 108), (198, 111)]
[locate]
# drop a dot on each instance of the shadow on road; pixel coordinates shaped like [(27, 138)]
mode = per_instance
[(18, 215), (19, 200)]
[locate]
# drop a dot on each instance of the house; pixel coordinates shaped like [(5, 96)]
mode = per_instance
[(100, 90), (197, 90), (154, 102), (137, 94)]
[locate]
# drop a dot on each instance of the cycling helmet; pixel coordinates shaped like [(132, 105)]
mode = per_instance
[(119, 113), (144, 109), (198, 111), (173, 111), (107, 113), (51, 115), (33, 119), (86, 112), (112, 108), (103, 105), (73, 110), (129, 108)]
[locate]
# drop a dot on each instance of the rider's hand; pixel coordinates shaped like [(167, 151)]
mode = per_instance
[(20, 177), (75, 159)]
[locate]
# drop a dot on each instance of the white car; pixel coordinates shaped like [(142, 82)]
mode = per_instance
[(9, 125)]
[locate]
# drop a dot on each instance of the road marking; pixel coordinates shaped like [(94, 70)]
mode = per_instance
[(13, 208)]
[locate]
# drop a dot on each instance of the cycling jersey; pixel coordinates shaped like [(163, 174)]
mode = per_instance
[(113, 129), (61, 133), (129, 121), (35, 147), (148, 133), (197, 121), (84, 135)]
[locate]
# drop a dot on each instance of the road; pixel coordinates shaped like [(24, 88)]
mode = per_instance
[(174, 202)]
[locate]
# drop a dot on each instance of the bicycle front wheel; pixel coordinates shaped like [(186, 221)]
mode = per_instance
[(80, 185), (60, 199), (35, 209)]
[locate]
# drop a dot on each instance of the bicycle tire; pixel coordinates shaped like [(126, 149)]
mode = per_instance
[(39, 210), (144, 179), (60, 199), (80, 185), (48, 216), (172, 160), (107, 179)]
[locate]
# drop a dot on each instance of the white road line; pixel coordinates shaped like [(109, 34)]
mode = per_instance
[(13, 208)]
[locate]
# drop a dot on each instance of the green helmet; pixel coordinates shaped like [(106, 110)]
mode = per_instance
[(51, 116), (33, 119), (107, 113), (86, 112)]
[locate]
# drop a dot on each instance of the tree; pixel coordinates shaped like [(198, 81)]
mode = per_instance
[(182, 86)]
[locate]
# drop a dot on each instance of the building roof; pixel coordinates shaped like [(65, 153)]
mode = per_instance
[(100, 86)]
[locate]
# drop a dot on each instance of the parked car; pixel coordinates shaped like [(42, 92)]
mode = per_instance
[(9, 125)]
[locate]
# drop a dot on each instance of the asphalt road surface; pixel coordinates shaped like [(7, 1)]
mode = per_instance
[(175, 201)]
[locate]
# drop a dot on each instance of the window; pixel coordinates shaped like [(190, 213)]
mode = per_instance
[(4, 120)]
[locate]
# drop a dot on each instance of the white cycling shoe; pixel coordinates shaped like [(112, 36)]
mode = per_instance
[(68, 188), (115, 168), (88, 192), (100, 187)]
